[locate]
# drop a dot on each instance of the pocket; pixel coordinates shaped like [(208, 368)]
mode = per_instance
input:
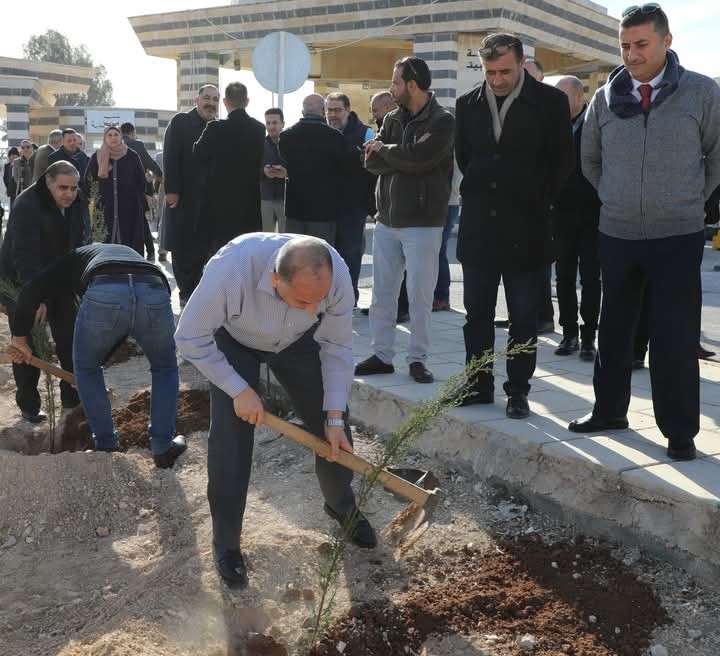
[(99, 316), (160, 316)]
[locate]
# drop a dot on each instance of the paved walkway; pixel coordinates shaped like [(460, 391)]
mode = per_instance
[(620, 483)]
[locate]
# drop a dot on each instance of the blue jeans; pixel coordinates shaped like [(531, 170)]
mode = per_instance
[(349, 241), (442, 288), (112, 309)]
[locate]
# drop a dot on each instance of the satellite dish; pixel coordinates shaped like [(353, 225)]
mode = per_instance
[(281, 63)]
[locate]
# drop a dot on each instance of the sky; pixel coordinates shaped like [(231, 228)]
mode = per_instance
[(141, 81)]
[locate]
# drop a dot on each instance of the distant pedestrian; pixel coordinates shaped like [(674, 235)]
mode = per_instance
[(43, 153), (231, 152), (274, 173), (8, 180), (441, 297), (22, 170)]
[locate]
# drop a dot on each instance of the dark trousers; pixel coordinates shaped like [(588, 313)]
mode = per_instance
[(667, 271), (61, 314), (403, 302), (349, 241), (442, 288), (148, 239), (480, 290), (546, 313), (230, 446), (640, 342), (188, 263), (578, 251)]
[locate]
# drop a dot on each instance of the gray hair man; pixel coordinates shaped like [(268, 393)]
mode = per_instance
[(286, 301), (41, 156), (651, 147)]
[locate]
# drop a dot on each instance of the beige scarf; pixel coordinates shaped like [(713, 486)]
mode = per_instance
[(106, 153), (498, 118)]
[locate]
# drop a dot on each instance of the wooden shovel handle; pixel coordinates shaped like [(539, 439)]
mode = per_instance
[(43, 366), (347, 459)]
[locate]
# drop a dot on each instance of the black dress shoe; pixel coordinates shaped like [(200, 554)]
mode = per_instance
[(703, 353), (518, 406), (167, 460), (231, 567), (478, 397), (365, 311), (588, 351), (402, 317), (545, 327), (373, 365), (362, 534), (34, 417), (420, 373), (590, 424), (567, 346), (684, 453)]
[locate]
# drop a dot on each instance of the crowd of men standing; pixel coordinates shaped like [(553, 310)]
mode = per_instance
[(616, 189)]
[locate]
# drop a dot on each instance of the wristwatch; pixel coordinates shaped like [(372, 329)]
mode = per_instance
[(334, 421)]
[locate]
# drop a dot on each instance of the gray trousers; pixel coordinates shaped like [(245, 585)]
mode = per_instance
[(273, 212), (230, 446), (321, 229)]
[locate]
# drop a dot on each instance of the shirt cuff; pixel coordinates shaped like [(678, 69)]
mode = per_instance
[(233, 386), (335, 401)]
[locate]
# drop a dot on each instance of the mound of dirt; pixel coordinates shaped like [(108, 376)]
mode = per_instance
[(564, 598), (131, 421), (122, 353)]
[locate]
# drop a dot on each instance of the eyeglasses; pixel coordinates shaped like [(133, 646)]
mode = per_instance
[(649, 8), (498, 50), (334, 110)]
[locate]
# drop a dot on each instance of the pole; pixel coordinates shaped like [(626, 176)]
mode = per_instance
[(281, 69)]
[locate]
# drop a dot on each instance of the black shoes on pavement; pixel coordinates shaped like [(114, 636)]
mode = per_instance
[(682, 454), (477, 397), (591, 424), (231, 567), (34, 417), (588, 351), (362, 534), (567, 346), (167, 460), (402, 317), (517, 406), (373, 365), (420, 373)]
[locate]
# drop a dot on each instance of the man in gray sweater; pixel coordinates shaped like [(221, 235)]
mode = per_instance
[(651, 147)]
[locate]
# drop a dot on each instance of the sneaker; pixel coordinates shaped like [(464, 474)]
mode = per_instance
[(373, 365), (363, 534)]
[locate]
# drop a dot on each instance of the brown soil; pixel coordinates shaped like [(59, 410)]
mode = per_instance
[(122, 353), (574, 599), (131, 421)]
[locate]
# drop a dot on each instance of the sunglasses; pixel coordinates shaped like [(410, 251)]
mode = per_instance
[(649, 8), (497, 50)]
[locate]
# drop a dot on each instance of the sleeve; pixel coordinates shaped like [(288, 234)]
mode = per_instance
[(204, 147), (425, 154), (41, 162), (334, 335), (172, 145), (204, 314), (560, 147), (148, 162), (711, 139), (463, 151), (28, 259), (591, 144), (52, 281), (139, 175)]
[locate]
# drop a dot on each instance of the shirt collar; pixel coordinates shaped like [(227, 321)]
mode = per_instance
[(654, 83)]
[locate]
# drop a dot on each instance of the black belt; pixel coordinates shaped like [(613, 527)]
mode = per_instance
[(124, 278)]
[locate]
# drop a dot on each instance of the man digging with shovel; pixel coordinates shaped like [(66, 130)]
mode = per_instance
[(123, 295), (287, 301)]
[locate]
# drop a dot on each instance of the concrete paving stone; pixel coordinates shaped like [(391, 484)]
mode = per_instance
[(697, 479), (710, 371), (710, 393), (707, 442), (617, 453), (536, 429), (709, 420), (554, 401)]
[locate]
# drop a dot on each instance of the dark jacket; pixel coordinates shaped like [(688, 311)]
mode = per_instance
[(415, 167), (508, 187), (231, 151), (271, 188), (9, 181), (578, 200), (360, 183), (38, 233), (185, 176), (78, 159), (317, 160), (712, 208), (149, 164)]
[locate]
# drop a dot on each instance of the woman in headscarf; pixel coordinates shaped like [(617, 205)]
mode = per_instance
[(121, 184)]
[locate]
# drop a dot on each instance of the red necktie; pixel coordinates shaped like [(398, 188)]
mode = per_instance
[(645, 91)]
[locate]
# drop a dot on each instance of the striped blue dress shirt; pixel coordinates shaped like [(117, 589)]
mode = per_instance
[(236, 293)]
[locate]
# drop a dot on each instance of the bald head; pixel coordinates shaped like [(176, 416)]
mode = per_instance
[(381, 104), (306, 255), (313, 104), (575, 91)]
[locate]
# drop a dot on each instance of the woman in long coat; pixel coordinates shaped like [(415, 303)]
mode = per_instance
[(121, 184)]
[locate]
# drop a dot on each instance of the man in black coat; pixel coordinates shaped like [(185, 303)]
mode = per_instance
[(46, 222), (187, 234), (231, 152), (316, 159), (577, 213), (8, 180), (514, 148)]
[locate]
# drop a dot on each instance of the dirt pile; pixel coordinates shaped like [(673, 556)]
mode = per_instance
[(527, 596), (131, 421), (122, 353)]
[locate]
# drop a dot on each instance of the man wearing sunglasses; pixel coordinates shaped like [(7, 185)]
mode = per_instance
[(651, 147), (514, 146)]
